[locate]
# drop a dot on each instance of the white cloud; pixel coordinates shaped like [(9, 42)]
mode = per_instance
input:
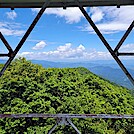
[(64, 48), (66, 53), (97, 14), (109, 27), (11, 29), (97, 55), (39, 45), (127, 48), (111, 19), (11, 15), (71, 15)]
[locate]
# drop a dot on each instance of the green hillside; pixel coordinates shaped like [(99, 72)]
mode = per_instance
[(30, 88)]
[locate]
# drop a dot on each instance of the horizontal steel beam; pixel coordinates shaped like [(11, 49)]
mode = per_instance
[(4, 55), (125, 54), (64, 3), (105, 116)]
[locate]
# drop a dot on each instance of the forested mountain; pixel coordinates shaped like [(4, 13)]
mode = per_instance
[(30, 88), (106, 69)]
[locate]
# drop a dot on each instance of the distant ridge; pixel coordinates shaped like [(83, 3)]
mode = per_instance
[(106, 69)]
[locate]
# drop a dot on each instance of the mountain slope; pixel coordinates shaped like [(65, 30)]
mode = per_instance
[(108, 70), (113, 74), (29, 88)]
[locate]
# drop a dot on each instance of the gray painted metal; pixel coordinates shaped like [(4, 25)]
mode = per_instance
[(75, 128), (102, 116), (62, 3), (65, 119)]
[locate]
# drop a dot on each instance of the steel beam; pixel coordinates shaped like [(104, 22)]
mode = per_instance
[(53, 128), (124, 37), (6, 43), (65, 119), (101, 116), (125, 54), (79, 4), (4, 55), (75, 128), (64, 3), (31, 27), (105, 43)]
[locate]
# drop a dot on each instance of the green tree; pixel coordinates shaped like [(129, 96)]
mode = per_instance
[(30, 88)]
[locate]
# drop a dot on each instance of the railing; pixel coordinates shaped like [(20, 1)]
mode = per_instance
[(65, 119)]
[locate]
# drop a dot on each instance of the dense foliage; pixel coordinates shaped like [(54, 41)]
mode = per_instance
[(30, 88)]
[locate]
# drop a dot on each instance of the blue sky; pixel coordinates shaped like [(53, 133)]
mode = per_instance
[(65, 35)]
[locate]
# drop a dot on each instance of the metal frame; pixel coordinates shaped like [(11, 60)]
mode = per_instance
[(64, 3), (12, 54), (102, 116), (115, 53), (65, 119)]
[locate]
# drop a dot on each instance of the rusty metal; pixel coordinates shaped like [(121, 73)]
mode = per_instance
[(65, 119), (103, 116)]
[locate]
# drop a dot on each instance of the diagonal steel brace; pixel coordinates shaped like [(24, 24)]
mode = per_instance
[(6, 45), (64, 121), (106, 43), (124, 37), (22, 41), (122, 41)]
